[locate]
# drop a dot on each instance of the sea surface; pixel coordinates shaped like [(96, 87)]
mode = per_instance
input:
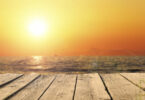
[(72, 64)]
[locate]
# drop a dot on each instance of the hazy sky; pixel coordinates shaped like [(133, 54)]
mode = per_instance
[(75, 27)]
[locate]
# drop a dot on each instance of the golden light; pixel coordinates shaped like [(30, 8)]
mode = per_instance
[(37, 59), (37, 27)]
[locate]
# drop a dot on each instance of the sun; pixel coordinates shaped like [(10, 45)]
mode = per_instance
[(37, 27)]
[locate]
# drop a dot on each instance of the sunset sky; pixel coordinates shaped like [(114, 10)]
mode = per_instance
[(71, 27)]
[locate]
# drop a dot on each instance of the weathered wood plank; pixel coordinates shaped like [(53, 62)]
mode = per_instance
[(17, 85), (136, 78), (7, 78), (61, 89), (122, 89), (36, 89), (90, 87)]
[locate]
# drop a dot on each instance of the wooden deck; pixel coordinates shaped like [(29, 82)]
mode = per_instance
[(121, 86)]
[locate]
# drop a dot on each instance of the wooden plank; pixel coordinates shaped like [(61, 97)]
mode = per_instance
[(136, 78), (36, 89), (90, 87), (7, 78), (16, 86), (61, 89), (122, 89)]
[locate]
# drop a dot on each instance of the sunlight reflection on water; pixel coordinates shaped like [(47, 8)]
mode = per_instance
[(37, 67), (37, 60)]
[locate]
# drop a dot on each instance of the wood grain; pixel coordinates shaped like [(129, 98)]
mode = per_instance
[(90, 87), (136, 78), (61, 89), (7, 78), (17, 85), (36, 89), (122, 89)]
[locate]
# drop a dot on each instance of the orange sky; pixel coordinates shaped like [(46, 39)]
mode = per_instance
[(76, 27)]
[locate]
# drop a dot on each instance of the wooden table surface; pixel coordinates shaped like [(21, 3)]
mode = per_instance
[(94, 86)]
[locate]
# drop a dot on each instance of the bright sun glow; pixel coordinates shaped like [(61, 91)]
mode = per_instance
[(37, 27)]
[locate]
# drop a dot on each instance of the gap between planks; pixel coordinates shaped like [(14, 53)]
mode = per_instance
[(135, 79), (61, 89), (90, 87), (120, 88), (8, 78), (14, 87)]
